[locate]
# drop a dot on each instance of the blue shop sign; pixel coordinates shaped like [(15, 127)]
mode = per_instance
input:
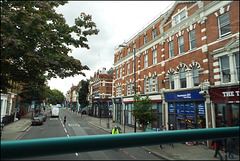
[(201, 108), (184, 96), (171, 107)]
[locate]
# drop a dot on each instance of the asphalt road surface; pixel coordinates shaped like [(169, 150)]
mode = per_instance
[(75, 126)]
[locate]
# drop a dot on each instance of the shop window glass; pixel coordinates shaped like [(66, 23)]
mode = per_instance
[(225, 69), (221, 112), (201, 122), (237, 64), (235, 115)]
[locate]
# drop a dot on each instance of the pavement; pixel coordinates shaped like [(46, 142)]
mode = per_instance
[(181, 151)]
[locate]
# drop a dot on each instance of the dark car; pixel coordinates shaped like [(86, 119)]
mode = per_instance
[(43, 115), (2, 125), (37, 121)]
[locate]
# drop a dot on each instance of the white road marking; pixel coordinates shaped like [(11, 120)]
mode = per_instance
[(67, 135), (53, 118), (73, 125), (76, 154), (65, 130)]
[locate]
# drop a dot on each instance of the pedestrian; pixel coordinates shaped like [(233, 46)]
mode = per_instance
[(217, 145), (171, 128), (115, 131), (44, 108), (65, 119), (230, 146)]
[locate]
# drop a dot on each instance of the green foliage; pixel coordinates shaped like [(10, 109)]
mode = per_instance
[(142, 110), (35, 40), (83, 92), (56, 97)]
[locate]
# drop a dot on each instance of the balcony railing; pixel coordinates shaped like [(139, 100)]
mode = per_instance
[(63, 145)]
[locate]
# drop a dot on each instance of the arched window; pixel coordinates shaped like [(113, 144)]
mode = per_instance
[(183, 83), (195, 76), (171, 81)]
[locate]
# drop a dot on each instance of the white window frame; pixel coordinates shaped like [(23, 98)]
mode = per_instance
[(128, 69), (120, 55), (180, 44), (221, 69), (128, 51), (237, 67), (182, 78), (154, 33), (171, 49), (156, 83), (195, 76), (179, 18), (134, 46), (145, 85), (155, 56), (223, 25), (192, 40), (145, 60), (150, 84), (117, 73), (103, 83), (171, 80), (120, 72), (145, 39)]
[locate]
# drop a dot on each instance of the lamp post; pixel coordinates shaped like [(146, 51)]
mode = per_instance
[(134, 72)]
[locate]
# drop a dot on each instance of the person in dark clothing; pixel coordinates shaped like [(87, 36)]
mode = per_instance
[(230, 147), (65, 119), (219, 145), (171, 128)]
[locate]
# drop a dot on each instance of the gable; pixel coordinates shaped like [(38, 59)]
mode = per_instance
[(176, 8)]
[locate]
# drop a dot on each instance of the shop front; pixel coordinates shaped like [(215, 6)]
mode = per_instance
[(226, 105), (186, 110), (101, 107), (157, 106)]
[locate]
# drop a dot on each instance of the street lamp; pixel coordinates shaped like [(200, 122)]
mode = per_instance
[(134, 72)]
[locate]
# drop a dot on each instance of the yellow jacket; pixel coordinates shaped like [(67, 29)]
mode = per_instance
[(115, 131)]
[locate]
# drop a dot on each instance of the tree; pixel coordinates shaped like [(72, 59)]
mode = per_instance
[(56, 97), (35, 41), (142, 111), (83, 92)]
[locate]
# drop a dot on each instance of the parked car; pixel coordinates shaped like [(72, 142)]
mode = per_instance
[(43, 115), (2, 125), (37, 121)]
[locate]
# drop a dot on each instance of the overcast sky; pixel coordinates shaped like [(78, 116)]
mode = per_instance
[(117, 21)]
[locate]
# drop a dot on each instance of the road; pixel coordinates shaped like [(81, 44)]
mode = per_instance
[(76, 126)]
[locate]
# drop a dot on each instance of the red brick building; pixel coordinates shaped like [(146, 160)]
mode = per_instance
[(183, 59), (100, 92)]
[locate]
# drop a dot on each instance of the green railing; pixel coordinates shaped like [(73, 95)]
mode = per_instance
[(63, 145)]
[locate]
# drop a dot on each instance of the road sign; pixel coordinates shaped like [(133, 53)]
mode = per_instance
[(16, 110), (33, 102)]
